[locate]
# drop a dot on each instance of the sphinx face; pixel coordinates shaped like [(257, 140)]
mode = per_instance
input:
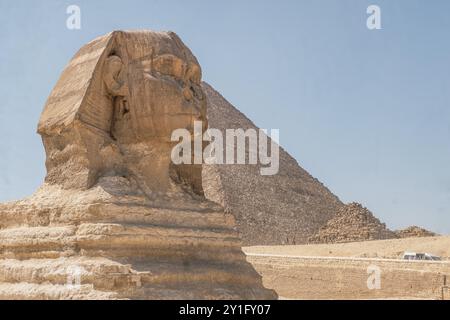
[(163, 82), (154, 83), (169, 96)]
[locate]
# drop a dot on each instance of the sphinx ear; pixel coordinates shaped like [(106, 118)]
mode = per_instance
[(114, 76)]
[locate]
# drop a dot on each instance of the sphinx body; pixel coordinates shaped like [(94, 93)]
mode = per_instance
[(114, 218)]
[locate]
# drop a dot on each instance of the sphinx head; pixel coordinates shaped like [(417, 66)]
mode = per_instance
[(155, 83), (115, 107)]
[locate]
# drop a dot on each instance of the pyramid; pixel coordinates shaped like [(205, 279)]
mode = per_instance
[(414, 232), (285, 208), (352, 222), (115, 219)]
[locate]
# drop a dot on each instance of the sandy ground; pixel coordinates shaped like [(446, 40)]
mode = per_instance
[(343, 271), (392, 249)]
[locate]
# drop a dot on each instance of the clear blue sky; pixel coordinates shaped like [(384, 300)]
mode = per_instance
[(366, 112)]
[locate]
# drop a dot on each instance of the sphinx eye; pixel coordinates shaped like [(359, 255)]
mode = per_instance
[(170, 65)]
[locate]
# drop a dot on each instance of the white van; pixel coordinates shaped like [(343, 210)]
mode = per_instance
[(420, 256)]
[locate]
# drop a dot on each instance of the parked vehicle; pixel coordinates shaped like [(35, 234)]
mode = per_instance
[(420, 256)]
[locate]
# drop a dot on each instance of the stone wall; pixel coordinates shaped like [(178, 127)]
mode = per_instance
[(346, 278)]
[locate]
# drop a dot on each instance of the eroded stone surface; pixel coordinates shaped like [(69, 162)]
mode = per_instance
[(114, 216)]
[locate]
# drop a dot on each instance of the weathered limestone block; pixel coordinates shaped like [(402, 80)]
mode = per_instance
[(114, 218)]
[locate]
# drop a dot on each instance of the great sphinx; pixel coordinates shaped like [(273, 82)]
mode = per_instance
[(114, 217)]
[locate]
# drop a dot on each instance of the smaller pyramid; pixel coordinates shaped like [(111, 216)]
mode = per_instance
[(414, 232), (352, 222)]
